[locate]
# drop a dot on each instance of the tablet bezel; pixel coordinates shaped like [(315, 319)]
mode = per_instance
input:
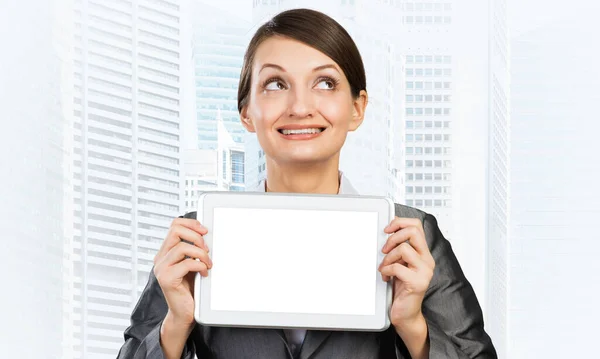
[(376, 322)]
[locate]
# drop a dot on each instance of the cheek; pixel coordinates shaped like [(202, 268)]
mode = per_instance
[(267, 110), (337, 111)]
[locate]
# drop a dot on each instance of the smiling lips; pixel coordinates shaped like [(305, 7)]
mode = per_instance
[(300, 132)]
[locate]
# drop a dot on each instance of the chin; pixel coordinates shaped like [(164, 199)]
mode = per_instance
[(304, 159)]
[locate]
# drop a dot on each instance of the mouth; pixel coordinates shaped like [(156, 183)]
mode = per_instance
[(301, 131)]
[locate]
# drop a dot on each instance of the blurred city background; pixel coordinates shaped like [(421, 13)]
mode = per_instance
[(116, 114)]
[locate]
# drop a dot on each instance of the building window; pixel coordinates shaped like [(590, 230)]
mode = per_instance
[(237, 167), (224, 164)]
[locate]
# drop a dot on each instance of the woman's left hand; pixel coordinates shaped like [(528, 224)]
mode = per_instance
[(409, 261)]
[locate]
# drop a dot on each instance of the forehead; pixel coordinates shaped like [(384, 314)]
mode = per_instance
[(292, 55)]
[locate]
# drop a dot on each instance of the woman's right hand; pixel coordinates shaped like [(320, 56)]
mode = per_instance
[(175, 272)]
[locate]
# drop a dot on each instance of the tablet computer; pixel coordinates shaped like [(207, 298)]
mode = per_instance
[(294, 261)]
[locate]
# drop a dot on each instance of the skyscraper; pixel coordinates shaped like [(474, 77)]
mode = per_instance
[(216, 156), (218, 54), (131, 59), (34, 84), (457, 134), (555, 198)]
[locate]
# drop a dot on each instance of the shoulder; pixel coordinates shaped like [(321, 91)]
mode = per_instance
[(191, 215), (409, 212), (436, 241)]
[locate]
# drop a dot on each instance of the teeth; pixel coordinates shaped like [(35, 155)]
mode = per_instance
[(301, 131)]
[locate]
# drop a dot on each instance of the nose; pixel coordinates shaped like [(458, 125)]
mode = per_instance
[(301, 103)]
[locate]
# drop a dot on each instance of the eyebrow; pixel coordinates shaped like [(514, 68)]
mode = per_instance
[(318, 68)]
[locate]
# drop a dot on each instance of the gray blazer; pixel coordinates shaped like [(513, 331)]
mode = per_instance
[(452, 312)]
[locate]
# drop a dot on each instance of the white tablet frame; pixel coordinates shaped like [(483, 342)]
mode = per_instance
[(377, 322)]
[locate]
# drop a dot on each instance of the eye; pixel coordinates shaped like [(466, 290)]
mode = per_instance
[(326, 83), (273, 85)]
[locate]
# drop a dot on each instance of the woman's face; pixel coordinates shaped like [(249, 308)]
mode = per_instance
[(300, 104)]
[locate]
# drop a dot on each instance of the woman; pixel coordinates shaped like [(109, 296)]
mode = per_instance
[(302, 88)]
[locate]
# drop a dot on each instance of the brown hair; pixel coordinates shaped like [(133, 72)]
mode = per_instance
[(316, 30)]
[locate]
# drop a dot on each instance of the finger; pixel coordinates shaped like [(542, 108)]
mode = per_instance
[(399, 271), (186, 266), (388, 259), (190, 223), (181, 250), (404, 252), (178, 232), (409, 234), (400, 222)]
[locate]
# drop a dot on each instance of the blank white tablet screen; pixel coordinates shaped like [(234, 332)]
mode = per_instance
[(294, 261)]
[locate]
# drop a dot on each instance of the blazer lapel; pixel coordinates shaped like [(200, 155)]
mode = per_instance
[(314, 339)]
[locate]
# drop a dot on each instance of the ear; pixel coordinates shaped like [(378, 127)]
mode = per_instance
[(246, 121), (358, 112)]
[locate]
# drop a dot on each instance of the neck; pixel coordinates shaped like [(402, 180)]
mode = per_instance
[(322, 178)]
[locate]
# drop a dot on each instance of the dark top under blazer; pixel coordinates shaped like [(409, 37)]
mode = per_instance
[(453, 314)]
